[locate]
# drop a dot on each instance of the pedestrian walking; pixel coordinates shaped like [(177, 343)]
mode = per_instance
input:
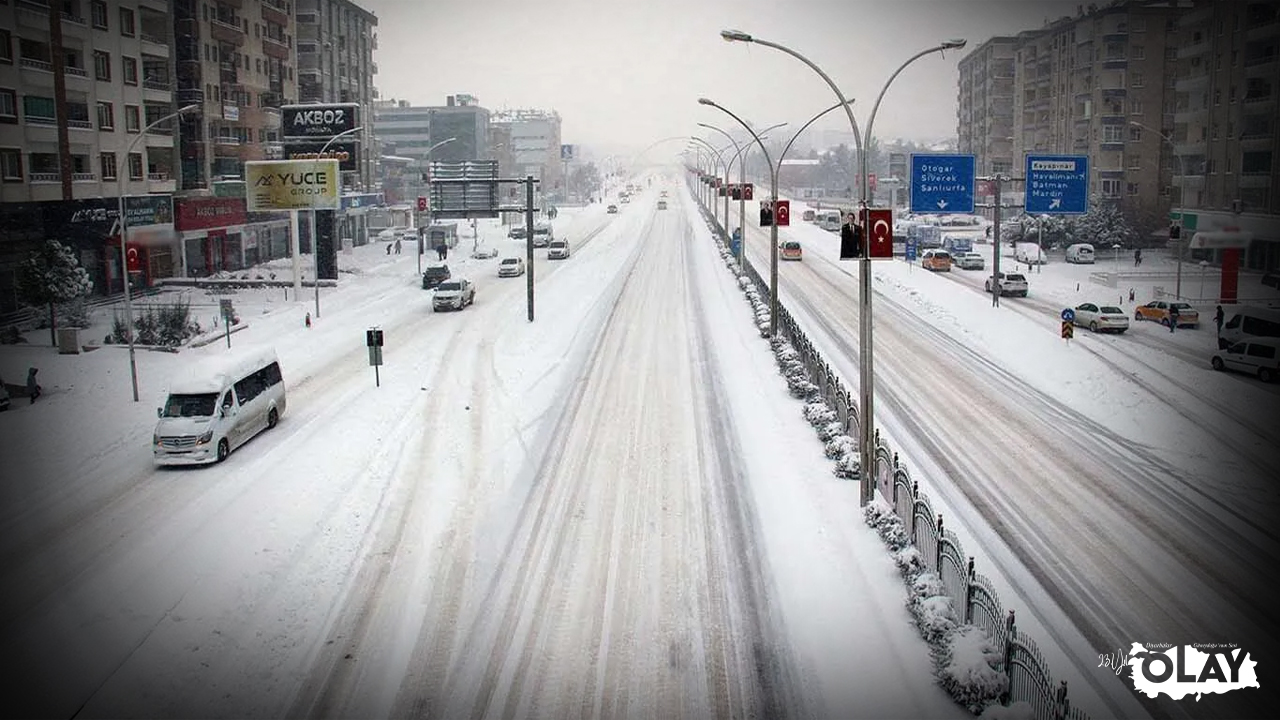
[(1218, 317), (388, 248), (397, 246), (1174, 314), (1137, 257), (1130, 294), (33, 387), (308, 320)]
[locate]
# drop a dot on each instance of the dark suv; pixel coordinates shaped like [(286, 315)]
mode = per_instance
[(435, 275)]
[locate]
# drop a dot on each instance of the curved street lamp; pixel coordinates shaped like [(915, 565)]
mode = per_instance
[(866, 366), (773, 228), (124, 233), (742, 182), (719, 156)]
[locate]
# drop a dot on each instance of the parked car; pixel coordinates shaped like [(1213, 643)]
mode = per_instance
[(662, 204), (516, 232), (511, 267), (453, 295), (1256, 356), (612, 210), (558, 250), (970, 261), (1101, 318), (1080, 254), (790, 250), (936, 260), (1158, 311), (484, 253), (435, 275), (1010, 284)]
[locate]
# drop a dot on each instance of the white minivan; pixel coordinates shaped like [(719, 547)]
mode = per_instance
[(1255, 356), (1080, 254), (217, 406), (1247, 321)]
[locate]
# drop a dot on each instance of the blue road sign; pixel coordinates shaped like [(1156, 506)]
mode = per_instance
[(1068, 315), (1057, 184), (942, 183), (911, 250)]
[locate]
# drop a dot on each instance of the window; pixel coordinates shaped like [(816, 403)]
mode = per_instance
[(1231, 94), (1137, 52), (1135, 106), (1135, 133), (106, 116), (98, 14), (1135, 79), (130, 70), (11, 164), (257, 66), (38, 109), (1256, 326), (1132, 188), (8, 105), (1267, 352), (6, 47), (107, 163), (1110, 188), (102, 65), (126, 22), (132, 118), (1112, 133), (135, 166)]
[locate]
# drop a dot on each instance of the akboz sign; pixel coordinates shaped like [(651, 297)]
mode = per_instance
[(318, 121)]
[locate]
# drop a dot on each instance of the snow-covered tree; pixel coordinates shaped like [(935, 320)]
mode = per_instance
[(1105, 225), (52, 275)]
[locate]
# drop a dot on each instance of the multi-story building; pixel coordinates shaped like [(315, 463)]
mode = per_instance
[(1224, 129), (235, 59), (408, 131), (336, 40), (115, 81), (1097, 84), (535, 145)]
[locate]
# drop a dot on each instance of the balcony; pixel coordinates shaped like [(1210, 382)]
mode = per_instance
[(1193, 50), (226, 32), (158, 177), (84, 177), (41, 177), (1186, 115), (80, 124), (1254, 180), (154, 45), (275, 48), (155, 84), (39, 120), (1193, 83), (36, 64), (1260, 64), (1261, 32), (274, 12), (237, 4), (190, 96)]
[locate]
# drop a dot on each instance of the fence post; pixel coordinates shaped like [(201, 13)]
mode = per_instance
[(1009, 630), (915, 493), (937, 549), (1063, 706), (968, 593)]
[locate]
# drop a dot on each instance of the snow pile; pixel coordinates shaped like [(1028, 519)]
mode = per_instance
[(1018, 711), (966, 663)]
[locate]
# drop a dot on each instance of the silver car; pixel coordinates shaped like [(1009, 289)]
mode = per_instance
[(1101, 318), (453, 294), (969, 261)]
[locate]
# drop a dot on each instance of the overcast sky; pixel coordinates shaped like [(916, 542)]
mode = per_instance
[(630, 73)]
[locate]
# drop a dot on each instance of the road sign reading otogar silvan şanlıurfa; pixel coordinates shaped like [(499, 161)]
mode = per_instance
[(942, 183), (1057, 184), (291, 185)]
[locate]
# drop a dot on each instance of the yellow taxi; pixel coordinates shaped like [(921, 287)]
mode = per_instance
[(1158, 311)]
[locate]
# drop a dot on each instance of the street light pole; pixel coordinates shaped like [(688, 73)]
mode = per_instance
[(124, 233), (741, 157), (773, 227), (1182, 165), (866, 359), (315, 244), (719, 157), (737, 150)]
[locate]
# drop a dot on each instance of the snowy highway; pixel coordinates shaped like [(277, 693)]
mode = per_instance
[(1129, 539), (614, 511)]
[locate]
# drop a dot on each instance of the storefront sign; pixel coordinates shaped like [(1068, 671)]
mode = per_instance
[(144, 210), (346, 152), (292, 185), (210, 212), (318, 121)]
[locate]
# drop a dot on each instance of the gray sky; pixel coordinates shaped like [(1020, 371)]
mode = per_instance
[(628, 73)]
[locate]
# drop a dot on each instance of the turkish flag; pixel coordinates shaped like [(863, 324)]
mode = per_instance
[(748, 191), (879, 225), (782, 213), (133, 258)]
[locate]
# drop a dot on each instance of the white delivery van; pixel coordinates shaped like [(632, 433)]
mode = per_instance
[(1080, 254), (829, 220), (217, 406), (1247, 321), (1029, 253), (1254, 356)]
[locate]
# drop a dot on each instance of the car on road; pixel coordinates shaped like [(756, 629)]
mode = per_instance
[(1256, 356), (453, 295), (662, 204), (1010, 284), (511, 267), (936, 260), (484, 253), (790, 250), (542, 234), (970, 261), (1158, 311), (516, 232), (1101, 318), (558, 250), (612, 210), (1247, 321), (434, 275)]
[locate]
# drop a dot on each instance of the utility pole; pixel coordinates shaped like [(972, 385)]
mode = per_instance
[(997, 182), (528, 239)]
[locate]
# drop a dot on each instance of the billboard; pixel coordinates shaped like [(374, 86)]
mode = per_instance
[(292, 185), (566, 152), (346, 152), (318, 121), (144, 210)]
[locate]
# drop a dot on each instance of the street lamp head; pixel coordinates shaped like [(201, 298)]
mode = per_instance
[(189, 108), (732, 35), (954, 43), (705, 101)]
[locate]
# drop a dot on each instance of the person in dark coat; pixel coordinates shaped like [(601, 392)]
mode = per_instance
[(1218, 317), (33, 387), (1174, 314)]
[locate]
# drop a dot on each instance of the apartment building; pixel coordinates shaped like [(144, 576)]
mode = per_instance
[(1224, 124), (235, 59), (984, 108), (535, 145), (336, 40), (116, 81)]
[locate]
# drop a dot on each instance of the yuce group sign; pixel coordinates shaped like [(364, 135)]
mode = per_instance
[(291, 185)]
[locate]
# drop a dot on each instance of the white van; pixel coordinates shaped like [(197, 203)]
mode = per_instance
[(1080, 254), (558, 250), (217, 406), (1029, 253), (1245, 321), (1255, 356), (829, 220)]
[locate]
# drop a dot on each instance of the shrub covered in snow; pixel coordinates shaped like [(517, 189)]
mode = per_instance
[(839, 446), (881, 517), (970, 670), (826, 431), (818, 414), (848, 466), (1016, 711)]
